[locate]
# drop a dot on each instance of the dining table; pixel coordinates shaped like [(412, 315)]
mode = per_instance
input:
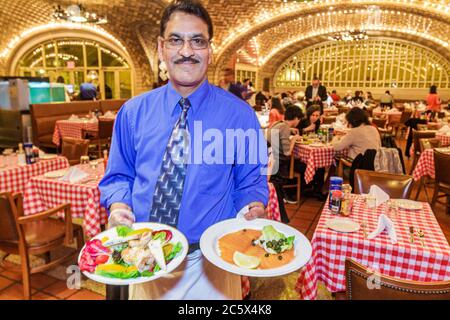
[(73, 128), (425, 259), (444, 138), (14, 177)]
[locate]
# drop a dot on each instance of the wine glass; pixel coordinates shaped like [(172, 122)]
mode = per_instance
[(370, 203), (94, 167)]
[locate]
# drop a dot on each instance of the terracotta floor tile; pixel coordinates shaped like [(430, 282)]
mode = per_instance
[(86, 295), (40, 281), (14, 292), (42, 296), (4, 282), (60, 290)]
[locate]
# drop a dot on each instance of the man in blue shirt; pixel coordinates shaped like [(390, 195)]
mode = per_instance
[(88, 91), (143, 182)]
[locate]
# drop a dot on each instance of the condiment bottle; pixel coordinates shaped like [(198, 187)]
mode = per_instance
[(21, 158), (346, 200)]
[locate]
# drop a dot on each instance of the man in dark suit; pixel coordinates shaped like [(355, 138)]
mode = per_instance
[(316, 94)]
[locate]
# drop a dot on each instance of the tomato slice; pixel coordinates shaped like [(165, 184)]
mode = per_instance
[(167, 232), (101, 259)]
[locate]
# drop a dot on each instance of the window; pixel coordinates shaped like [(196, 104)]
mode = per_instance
[(76, 60), (373, 63)]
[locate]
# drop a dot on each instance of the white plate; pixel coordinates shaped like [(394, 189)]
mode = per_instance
[(47, 156), (316, 145), (209, 246), (55, 174), (408, 204), (172, 265), (342, 225)]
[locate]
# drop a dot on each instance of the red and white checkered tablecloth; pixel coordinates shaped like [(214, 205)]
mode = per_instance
[(13, 178), (425, 165), (273, 213), (404, 260), (42, 194), (445, 139), (314, 158), (72, 129)]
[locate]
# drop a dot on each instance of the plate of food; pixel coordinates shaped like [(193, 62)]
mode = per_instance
[(408, 204), (124, 256), (55, 174), (342, 225), (256, 248), (47, 156)]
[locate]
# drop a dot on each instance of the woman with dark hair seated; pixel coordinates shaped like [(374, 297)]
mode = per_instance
[(276, 111), (361, 137), (311, 123)]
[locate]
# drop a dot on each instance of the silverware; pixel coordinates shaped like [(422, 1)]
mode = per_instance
[(411, 234), (363, 226), (421, 235)]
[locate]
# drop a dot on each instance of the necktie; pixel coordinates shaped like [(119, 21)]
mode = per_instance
[(169, 186)]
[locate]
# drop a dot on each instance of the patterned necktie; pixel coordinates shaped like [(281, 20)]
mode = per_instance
[(169, 186)]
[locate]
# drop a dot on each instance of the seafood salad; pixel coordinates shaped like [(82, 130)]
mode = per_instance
[(134, 253)]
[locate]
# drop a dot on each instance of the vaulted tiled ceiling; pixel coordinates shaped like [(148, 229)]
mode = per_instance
[(256, 27)]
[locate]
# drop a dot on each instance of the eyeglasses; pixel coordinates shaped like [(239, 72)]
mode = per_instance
[(178, 43)]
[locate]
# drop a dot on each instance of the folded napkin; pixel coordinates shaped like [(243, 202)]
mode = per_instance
[(445, 129), (74, 175), (380, 196), (109, 114), (74, 117), (384, 223)]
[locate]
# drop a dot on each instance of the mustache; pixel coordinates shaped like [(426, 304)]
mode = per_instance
[(186, 59)]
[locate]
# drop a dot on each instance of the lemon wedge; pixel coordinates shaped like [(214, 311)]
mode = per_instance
[(245, 261), (139, 231)]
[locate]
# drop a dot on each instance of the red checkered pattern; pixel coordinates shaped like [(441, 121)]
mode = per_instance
[(71, 129), (42, 194), (273, 213), (425, 165), (13, 178), (314, 158), (404, 260), (445, 140)]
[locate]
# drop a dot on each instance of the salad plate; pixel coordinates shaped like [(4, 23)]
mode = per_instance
[(342, 225), (126, 256), (55, 174), (47, 156), (269, 249)]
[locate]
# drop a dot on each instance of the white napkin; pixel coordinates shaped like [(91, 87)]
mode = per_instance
[(74, 117), (384, 223), (380, 196), (445, 129), (74, 175), (109, 114)]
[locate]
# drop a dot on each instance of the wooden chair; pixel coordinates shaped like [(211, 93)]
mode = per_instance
[(397, 186), (329, 120), (73, 149), (293, 174), (102, 138), (417, 135), (442, 178), (342, 110), (36, 234), (406, 115), (357, 278), (425, 182)]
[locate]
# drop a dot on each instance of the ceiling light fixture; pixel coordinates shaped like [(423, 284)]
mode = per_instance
[(352, 35), (78, 13)]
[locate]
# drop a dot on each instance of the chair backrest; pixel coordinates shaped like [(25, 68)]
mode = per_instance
[(8, 226), (433, 126), (406, 115), (429, 143), (417, 135), (397, 186), (380, 123), (105, 128), (441, 165), (342, 110), (387, 288), (329, 120), (73, 149)]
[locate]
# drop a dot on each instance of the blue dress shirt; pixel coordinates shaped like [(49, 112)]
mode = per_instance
[(212, 191)]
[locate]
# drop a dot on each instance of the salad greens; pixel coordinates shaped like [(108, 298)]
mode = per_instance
[(274, 242)]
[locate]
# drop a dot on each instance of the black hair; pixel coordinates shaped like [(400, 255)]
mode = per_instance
[(433, 89), (356, 116), (334, 91), (193, 7), (387, 91), (284, 95), (293, 112), (311, 110), (276, 103)]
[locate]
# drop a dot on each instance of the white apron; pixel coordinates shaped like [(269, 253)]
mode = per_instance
[(194, 279)]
